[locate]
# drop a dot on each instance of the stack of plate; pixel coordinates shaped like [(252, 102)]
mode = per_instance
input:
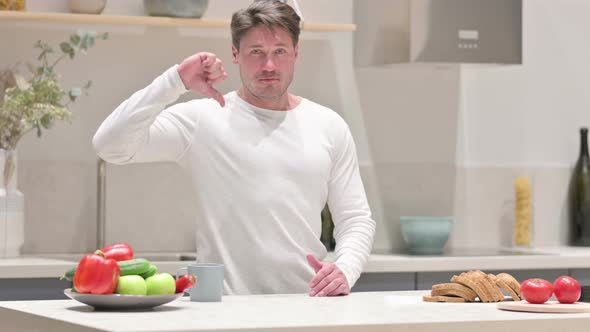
[(585, 294)]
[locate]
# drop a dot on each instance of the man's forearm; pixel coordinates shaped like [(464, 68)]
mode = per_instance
[(126, 129), (354, 240)]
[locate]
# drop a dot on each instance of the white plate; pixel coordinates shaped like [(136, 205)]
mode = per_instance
[(118, 301), (549, 306)]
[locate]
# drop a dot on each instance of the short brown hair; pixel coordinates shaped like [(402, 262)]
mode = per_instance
[(269, 13)]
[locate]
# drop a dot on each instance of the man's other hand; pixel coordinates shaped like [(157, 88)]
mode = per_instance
[(328, 280)]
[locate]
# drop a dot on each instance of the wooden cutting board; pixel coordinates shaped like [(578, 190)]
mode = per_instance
[(549, 306)]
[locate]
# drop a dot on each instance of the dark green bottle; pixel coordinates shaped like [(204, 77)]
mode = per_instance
[(579, 196), (327, 236)]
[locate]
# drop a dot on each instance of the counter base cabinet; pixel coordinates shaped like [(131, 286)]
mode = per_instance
[(377, 282), (33, 289), (582, 275)]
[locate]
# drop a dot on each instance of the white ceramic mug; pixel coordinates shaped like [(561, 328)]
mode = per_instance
[(209, 285)]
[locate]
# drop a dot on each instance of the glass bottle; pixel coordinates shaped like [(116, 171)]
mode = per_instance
[(579, 196)]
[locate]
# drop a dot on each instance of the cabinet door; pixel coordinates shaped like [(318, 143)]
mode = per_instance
[(33, 289), (377, 282), (425, 280), (582, 275)]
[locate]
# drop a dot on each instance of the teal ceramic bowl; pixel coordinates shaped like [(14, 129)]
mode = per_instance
[(176, 8), (426, 235)]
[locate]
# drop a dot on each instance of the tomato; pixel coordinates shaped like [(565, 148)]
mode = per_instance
[(567, 289), (536, 291)]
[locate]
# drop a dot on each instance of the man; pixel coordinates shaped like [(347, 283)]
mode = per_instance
[(263, 162)]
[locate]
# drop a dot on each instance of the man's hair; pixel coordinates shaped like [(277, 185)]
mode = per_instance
[(268, 13)]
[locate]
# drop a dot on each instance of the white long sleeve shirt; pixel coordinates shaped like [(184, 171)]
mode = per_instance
[(262, 178)]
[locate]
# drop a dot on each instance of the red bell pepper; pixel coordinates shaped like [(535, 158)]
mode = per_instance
[(96, 274), (185, 282), (118, 251)]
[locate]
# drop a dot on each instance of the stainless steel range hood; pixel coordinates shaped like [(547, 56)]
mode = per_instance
[(439, 31)]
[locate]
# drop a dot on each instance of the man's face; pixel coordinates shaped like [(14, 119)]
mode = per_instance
[(267, 60)]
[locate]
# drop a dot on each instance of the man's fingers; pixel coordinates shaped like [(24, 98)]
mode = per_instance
[(317, 265), (215, 68), (216, 74), (323, 282), (321, 277), (207, 59), (330, 288), (217, 80), (340, 290)]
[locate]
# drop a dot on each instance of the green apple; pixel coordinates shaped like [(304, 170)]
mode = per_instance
[(131, 285), (161, 284)]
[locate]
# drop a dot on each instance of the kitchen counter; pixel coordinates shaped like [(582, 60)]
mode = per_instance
[(47, 266), (524, 259), (370, 311)]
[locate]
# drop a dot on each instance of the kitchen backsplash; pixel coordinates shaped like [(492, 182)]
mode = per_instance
[(151, 205), (148, 206), (484, 205), (411, 189), (60, 205)]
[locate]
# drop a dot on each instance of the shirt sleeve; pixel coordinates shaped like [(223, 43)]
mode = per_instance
[(142, 129), (354, 228)]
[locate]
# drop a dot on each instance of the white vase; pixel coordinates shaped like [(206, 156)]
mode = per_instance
[(12, 227)]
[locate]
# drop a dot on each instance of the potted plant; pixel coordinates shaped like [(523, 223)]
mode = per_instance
[(32, 100)]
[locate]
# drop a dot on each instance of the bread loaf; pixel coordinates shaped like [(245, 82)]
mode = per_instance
[(475, 284)]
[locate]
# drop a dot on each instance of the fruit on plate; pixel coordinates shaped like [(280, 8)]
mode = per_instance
[(567, 289), (185, 282), (161, 284), (118, 251), (131, 285), (134, 266), (150, 272), (96, 274), (138, 266), (536, 290)]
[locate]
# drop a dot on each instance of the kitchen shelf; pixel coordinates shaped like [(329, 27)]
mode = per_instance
[(152, 21)]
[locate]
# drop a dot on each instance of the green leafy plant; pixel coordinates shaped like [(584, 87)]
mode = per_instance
[(34, 100)]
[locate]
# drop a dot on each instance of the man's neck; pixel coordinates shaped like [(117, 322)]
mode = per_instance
[(284, 103)]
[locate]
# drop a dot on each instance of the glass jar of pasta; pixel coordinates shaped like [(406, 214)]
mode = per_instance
[(12, 5), (523, 212)]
